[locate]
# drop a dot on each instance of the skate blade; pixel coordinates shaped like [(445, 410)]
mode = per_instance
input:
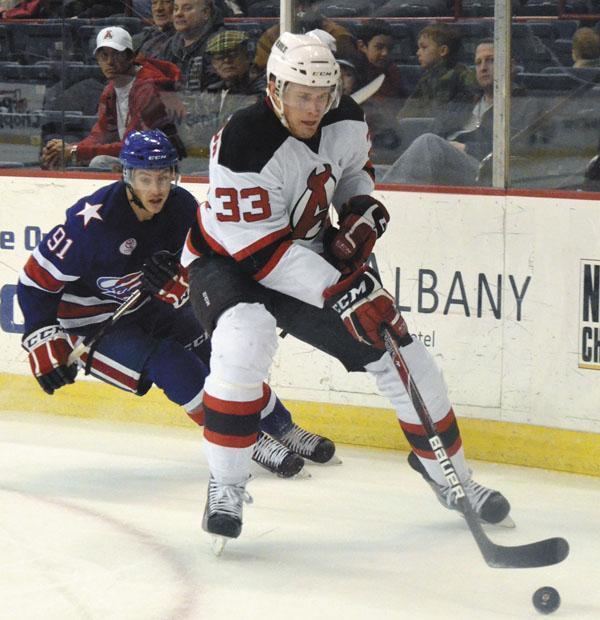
[(507, 522), (217, 544), (301, 475), (334, 460)]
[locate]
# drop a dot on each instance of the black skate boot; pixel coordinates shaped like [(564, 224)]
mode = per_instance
[(223, 511), (489, 505), (275, 457), (310, 446)]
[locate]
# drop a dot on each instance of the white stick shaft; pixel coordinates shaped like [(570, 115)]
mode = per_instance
[(362, 94)]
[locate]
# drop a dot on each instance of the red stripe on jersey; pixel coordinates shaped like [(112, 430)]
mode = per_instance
[(67, 310), (370, 169), (232, 407), (441, 426), (189, 245), (273, 261), (213, 243), (42, 277), (123, 380), (261, 243), (230, 441)]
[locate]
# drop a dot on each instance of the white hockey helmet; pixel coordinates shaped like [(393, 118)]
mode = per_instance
[(302, 59)]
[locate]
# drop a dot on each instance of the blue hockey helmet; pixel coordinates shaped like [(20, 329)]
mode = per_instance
[(148, 150)]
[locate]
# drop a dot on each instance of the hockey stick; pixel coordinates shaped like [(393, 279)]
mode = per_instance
[(362, 94), (541, 553), (92, 339)]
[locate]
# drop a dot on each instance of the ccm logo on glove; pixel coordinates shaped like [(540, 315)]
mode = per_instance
[(349, 298), (366, 307)]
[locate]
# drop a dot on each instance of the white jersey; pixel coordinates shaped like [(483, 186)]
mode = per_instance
[(269, 196)]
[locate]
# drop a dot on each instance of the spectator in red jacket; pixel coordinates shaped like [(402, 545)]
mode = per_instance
[(134, 99)]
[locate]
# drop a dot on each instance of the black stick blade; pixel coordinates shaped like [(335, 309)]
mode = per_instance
[(541, 553)]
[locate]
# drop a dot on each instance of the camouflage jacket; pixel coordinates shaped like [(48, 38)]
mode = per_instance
[(438, 87)]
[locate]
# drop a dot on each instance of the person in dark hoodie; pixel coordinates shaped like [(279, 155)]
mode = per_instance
[(130, 101)]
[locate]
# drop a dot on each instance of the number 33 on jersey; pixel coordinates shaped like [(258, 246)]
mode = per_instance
[(270, 191)]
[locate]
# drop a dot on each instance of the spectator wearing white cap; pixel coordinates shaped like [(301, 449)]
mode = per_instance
[(134, 99)]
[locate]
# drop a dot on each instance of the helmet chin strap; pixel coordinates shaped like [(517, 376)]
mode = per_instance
[(134, 197), (278, 109)]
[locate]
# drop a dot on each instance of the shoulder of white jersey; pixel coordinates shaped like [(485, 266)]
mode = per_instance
[(250, 138), (347, 110)]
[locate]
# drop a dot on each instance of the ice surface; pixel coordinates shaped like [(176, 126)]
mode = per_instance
[(103, 521)]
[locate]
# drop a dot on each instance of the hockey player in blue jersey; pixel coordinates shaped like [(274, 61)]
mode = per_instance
[(126, 237)]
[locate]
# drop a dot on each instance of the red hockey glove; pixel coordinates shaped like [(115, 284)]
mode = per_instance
[(164, 277), (177, 290), (362, 220), (49, 350), (365, 307)]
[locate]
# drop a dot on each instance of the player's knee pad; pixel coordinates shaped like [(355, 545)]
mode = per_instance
[(243, 346), (426, 375), (216, 284)]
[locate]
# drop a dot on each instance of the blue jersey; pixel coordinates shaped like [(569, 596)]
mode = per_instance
[(83, 269)]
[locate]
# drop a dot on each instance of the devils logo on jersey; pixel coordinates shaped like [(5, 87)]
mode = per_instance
[(310, 211)]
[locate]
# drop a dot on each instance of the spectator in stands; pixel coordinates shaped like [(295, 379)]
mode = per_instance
[(27, 9), (194, 21), (445, 80), (348, 74), (375, 42), (152, 40), (586, 48), (239, 86), (307, 18), (230, 58), (131, 100), (462, 135)]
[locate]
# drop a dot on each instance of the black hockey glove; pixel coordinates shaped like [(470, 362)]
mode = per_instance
[(362, 220), (158, 270), (164, 277), (49, 349)]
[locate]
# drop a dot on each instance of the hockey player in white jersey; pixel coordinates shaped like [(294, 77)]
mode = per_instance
[(264, 255)]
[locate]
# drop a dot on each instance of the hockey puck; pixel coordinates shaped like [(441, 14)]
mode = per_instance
[(546, 600)]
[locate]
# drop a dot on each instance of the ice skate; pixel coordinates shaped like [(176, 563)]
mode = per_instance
[(309, 445), (276, 458), (223, 512), (489, 505)]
